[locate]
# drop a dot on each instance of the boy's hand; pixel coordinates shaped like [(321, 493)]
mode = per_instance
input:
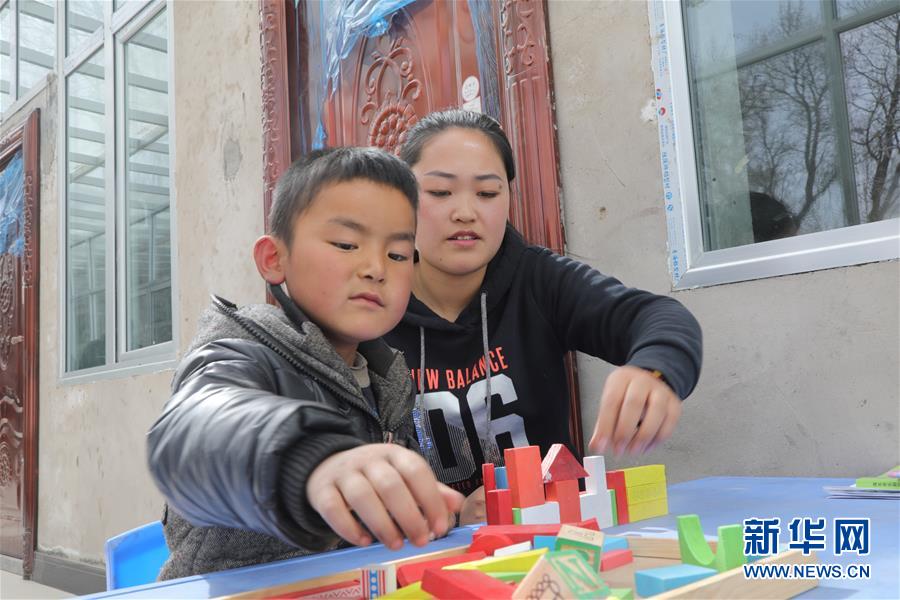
[(637, 411), (387, 486), (473, 508)]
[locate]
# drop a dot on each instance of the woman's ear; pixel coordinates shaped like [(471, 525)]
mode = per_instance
[(268, 252)]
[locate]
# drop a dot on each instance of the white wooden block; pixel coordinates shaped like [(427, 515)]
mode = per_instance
[(595, 482), (543, 514), (599, 506), (514, 549)]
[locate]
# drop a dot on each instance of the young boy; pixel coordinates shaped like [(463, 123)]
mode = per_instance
[(285, 421)]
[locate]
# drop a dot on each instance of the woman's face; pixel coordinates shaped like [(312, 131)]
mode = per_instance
[(463, 201)]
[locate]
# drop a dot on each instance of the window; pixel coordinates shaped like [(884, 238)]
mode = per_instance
[(27, 47), (779, 126), (117, 230)]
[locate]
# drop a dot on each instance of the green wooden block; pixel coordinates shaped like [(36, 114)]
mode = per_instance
[(693, 545), (517, 516), (577, 575), (622, 593), (615, 512), (591, 553), (730, 548), (509, 576)]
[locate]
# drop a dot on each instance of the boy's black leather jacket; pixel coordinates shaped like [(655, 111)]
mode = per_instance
[(259, 400)]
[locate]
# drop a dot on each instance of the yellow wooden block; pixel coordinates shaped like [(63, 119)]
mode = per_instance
[(644, 475), (412, 591), (646, 510), (645, 492), (500, 564)]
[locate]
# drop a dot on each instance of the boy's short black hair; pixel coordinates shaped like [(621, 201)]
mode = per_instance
[(299, 184)]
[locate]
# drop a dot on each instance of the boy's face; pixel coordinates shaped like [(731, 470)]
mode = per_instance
[(349, 266)]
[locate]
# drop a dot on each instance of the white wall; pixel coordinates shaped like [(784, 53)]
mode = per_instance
[(800, 373), (93, 479)]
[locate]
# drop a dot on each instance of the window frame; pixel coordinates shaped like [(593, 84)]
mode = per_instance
[(690, 265), (118, 28)]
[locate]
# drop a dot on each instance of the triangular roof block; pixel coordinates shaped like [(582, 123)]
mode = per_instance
[(561, 465)]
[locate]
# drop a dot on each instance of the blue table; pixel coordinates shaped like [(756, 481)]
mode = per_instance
[(718, 501)]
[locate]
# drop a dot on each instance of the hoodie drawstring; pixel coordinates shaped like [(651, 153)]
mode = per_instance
[(488, 446)]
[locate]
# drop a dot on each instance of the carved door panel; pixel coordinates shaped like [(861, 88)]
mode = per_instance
[(419, 65), (18, 341)]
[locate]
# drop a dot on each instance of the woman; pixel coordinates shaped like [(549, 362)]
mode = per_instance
[(492, 317)]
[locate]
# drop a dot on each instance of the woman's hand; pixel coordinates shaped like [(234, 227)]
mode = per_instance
[(638, 411), (473, 508)]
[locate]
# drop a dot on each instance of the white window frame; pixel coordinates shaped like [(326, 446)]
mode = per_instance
[(689, 264), (118, 28), (21, 100)]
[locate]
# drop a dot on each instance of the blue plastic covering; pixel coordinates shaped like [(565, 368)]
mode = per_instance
[(341, 25), (135, 557), (12, 207)]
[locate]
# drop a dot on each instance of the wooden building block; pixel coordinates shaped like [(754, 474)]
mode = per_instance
[(510, 576), (523, 561), (499, 507), (613, 509), (520, 533), (452, 585), (489, 542), (615, 480), (487, 475), (561, 465), (595, 482), (566, 494), (598, 506), (647, 510), (562, 575), (730, 548), (586, 541), (644, 475), (517, 516), (662, 579), (545, 513), (412, 572), (613, 559), (523, 470), (645, 493), (500, 478), (694, 548), (544, 541), (621, 594), (378, 580), (611, 542), (513, 549), (410, 592)]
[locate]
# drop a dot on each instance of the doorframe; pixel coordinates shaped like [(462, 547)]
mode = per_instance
[(27, 137), (523, 47)]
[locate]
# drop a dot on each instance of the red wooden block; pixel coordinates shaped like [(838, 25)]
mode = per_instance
[(499, 507), (567, 495), (523, 472), (489, 542), (413, 572), (560, 464), (490, 481), (447, 585), (521, 533), (615, 558), (615, 480)]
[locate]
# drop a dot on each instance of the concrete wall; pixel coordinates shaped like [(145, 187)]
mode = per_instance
[(93, 477), (800, 375)]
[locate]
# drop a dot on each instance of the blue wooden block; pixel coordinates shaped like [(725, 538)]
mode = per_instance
[(614, 543), (500, 478), (544, 541), (662, 579)]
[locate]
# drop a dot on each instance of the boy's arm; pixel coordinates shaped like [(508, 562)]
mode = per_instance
[(598, 315), (229, 452)]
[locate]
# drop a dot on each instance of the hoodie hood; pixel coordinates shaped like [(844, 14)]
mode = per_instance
[(497, 281)]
